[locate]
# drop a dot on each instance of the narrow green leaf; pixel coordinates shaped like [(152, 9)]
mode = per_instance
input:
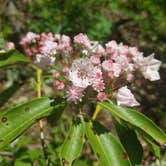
[(16, 120), (130, 142), (105, 145), (137, 119), (12, 57), (72, 147)]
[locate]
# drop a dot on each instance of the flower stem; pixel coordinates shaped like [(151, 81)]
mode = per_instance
[(97, 110), (38, 87)]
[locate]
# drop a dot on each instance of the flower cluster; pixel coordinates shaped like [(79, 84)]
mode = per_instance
[(43, 47), (84, 66)]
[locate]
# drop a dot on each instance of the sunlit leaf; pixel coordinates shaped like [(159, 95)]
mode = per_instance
[(16, 120), (136, 119), (105, 145), (72, 147)]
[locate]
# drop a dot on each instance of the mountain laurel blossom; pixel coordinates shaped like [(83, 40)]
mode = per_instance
[(149, 67), (126, 98), (74, 94), (81, 73), (85, 68)]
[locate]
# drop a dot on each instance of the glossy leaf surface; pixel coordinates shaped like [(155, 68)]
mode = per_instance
[(105, 145), (16, 120), (137, 119), (72, 147)]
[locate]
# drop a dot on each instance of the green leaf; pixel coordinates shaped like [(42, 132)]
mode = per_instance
[(7, 93), (154, 147), (72, 147), (12, 57), (105, 145), (18, 119), (21, 163), (83, 162), (136, 119), (130, 142)]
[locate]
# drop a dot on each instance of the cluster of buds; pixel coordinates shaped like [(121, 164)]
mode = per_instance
[(86, 69), (42, 48)]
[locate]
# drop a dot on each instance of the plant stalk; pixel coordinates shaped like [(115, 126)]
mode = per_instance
[(42, 138)]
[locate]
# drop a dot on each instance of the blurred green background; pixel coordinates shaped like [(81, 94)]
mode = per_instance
[(140, 23)]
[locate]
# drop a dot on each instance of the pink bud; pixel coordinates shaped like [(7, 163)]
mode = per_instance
[(10, 45), (101, 96), (95, 59), (65, 69), (130, 77), (61, 86), (57, 82), (56, 74)]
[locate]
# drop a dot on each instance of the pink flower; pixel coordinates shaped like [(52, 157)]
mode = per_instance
[(98, 85), (64, 46), (95, 59), (74, 94), (82, 40), (149, 67), (97, 73), (112, 68), (100, 50), (107, 65), (133, 51), (10, 45), (138, 58), (116, 68), (121, 59), (111, 47), (65, 39), (49, 47), (101, 96), (126, 98), (81, 73), (29, 38), (123, 49), (97, 48)]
